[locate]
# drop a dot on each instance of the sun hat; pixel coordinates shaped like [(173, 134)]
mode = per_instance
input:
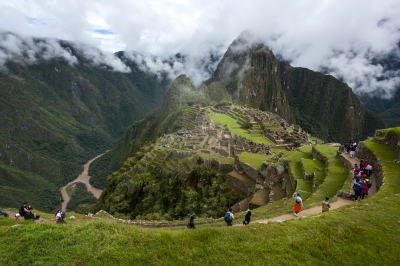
[(17, 215)]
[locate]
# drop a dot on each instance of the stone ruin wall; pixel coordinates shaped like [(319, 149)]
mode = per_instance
[(391, 140), (249, 170), (244, 187), (366, 154)]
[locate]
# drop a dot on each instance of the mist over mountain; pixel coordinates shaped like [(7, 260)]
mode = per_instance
[(60, 105)]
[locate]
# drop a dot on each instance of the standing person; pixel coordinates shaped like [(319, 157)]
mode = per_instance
[(325, 205), (364, 190), (357, 191), (247, 218), (352, 151), (229, 217), (298, 203), (191, 223), (369, 170)]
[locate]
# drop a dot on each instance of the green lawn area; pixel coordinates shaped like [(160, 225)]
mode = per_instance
[(221, 159), (294, 160), (255, 160), (235, 128), (317, 167)]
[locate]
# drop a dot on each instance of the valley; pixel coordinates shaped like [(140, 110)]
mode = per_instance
[(82, 178)]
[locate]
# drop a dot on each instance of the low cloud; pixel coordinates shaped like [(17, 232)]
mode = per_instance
[(27, 50)]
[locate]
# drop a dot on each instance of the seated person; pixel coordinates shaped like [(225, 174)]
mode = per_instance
[(25, 211)]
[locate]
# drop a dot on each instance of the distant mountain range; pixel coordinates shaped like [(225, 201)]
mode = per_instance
[(59, 109)]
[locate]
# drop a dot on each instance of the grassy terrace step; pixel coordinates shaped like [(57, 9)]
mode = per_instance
[(294, 161), (221, 159), (304, 187), (235, 128), (255, 160), (391, 169), (337, 174), (317, 167)]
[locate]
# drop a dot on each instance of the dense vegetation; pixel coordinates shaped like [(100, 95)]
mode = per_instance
[(79, 195), (54, 117)]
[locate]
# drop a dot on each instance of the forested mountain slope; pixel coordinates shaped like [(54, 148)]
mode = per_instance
[(54, 116), (321, 104)]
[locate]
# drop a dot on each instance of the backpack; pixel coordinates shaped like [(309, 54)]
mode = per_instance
[(227, 217), (62, 215), (21, 211), (369, 184)]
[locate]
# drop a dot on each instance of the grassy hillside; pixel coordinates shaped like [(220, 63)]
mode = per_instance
[(370, 228)]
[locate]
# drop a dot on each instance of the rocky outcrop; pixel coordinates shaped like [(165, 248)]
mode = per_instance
[(320, 104)]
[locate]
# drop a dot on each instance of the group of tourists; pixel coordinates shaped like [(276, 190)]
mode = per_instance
[(361, 180), (350, 148), (25, 211)]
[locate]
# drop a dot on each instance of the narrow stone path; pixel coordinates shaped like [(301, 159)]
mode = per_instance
[(84, 177)]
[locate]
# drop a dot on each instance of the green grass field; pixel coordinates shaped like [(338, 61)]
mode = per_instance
[(235, 128)]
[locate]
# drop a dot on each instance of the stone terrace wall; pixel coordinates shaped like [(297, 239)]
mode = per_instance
[(366, 154), (392, 140), (320, 157), (244, 187), (249, 170), (292, 180)]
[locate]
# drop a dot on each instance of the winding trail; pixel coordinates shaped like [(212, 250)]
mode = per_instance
[(318, 209), (84, 177)]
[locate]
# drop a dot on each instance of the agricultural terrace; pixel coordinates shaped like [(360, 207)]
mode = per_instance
[(233, 126)]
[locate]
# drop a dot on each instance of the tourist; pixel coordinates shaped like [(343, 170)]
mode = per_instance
[(191, 223), (298, 203), (325, 205), (247, 218), (357, 191), (17, 217), (352, 150), (25, 211), (368, 170), (229, 217), (362, 164), (364, 190)]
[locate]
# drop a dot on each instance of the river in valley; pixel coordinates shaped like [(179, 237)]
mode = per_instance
[(83, 178)]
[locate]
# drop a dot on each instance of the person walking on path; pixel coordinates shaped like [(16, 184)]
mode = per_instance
[(247, 218), (298, 203), (229, 217), (357, 191), (325, 205)]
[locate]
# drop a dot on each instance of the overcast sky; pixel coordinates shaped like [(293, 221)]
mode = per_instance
[(340, 35)]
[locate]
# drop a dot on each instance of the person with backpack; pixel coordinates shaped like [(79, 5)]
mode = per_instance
[(298, 203), (364, 190), (25, 211), (247, 218), (191, 223), (60, 215), (229, 217), (325, 205), (357, 191)]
